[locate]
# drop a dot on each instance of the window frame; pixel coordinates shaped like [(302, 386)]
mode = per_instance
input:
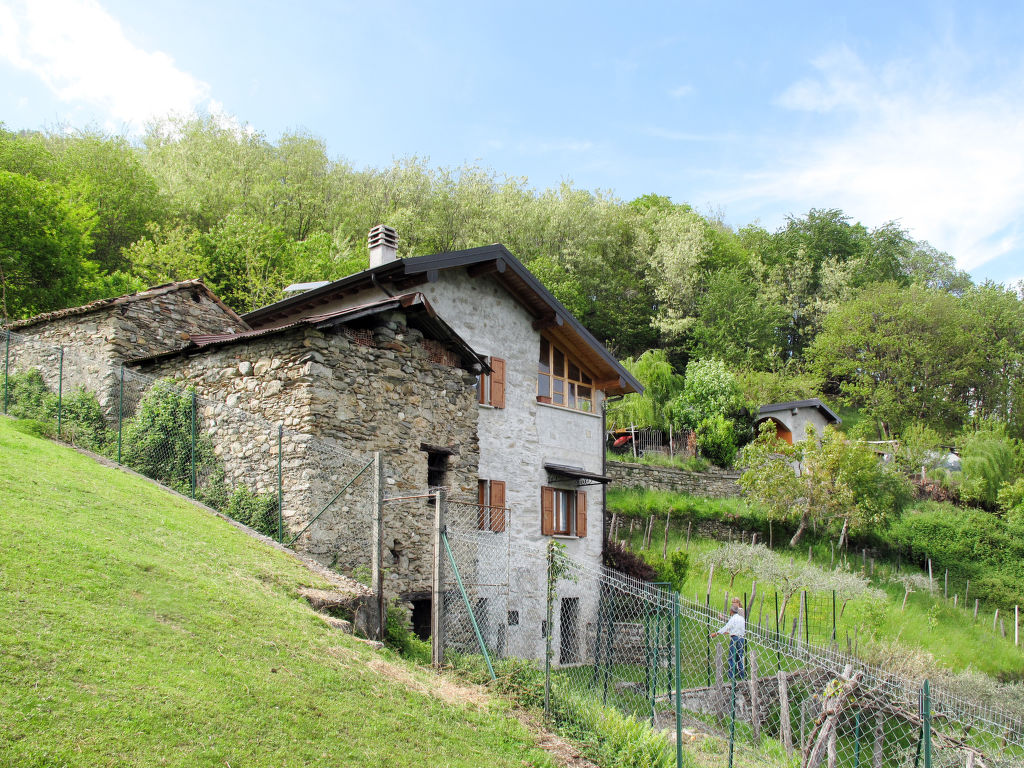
[(491, 517), (491, 386), (568, 386)]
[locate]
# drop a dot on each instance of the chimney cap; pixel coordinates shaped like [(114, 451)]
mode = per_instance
[(383, 235)]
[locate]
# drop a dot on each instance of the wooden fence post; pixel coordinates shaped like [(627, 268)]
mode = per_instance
[(876, 755), (784, 722), (755, 714)]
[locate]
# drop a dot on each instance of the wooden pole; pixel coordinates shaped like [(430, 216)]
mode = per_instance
[(975, 609), (689, 527), (664, 549), (611, 528), (1016, 625), (711, 575), (929, 574), (995, 619), (787, 726), (755, 713), (876, 755), (945, 586)]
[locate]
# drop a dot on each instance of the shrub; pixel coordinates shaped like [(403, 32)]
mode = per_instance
[(671, 570), (716, 440), (158, 440), (28, 397), (399, 636), (628, 562), (257, 510), (82, 420)]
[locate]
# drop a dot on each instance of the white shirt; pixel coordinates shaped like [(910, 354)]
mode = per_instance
[(735, 626)]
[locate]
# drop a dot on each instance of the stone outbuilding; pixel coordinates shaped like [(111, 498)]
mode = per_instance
[(791, 419), (99, 336), (388, 376)]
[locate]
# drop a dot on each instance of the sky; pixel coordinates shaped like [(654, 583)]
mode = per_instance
[(751, 111)]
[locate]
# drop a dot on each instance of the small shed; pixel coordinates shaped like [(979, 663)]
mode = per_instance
[(792, 418)]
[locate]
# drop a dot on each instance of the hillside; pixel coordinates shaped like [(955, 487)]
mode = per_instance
[(927, 635), (141, 630)]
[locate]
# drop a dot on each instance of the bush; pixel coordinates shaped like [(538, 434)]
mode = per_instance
[(716, 440), (158, 440), (399, 636), (258, 511), (82, 420), (623, 560), (671, 570)]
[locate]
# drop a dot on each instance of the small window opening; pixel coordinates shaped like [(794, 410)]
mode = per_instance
[(421, 617)]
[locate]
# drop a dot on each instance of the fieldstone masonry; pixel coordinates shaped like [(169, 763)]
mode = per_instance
[(341, 395), (99, 336), (715, 483)]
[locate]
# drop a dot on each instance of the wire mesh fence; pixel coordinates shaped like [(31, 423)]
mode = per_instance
[(610, 642), (309, 491)]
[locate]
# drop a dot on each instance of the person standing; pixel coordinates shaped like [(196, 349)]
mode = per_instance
[(736, 629)]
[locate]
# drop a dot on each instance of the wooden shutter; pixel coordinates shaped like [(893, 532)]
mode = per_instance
[(497, 505), (481, 499), (547, 511), (581, 514), (497, 382)]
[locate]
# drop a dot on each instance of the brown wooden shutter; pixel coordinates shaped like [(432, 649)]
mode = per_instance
[(497, 505), (481, 499), (547, 511), (581, 513), (497, 382)]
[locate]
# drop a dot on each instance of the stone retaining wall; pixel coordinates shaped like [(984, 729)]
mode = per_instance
[(715, 483)]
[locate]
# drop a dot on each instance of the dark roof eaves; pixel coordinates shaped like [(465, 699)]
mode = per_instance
[(813, 402)]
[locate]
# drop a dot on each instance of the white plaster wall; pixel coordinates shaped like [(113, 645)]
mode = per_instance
[(797, 423), (517, 440)]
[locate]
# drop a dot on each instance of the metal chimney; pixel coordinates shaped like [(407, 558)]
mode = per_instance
[(383, 242)]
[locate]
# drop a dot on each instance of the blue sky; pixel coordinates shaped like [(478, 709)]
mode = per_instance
[(910, 111)]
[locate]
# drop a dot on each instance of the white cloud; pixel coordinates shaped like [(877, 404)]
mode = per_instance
[(82, 55), (681, 91), (915, 141)]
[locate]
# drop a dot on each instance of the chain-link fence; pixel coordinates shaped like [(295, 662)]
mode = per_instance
[(305, 490), (610, 642)]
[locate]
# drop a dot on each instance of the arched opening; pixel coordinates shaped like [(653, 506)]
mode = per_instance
[(781, 430)]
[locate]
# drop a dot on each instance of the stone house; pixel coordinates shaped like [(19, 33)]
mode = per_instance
[(539, 406), (99, 336), (791, 419), (388, 375)]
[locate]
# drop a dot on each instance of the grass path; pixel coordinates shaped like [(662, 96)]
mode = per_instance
[(140, 631)]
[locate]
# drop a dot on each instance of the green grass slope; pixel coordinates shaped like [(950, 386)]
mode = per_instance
[(139, 630)]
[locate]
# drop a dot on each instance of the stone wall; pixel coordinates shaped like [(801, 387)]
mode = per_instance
[(715, 483), (340, 398), (97, 338)]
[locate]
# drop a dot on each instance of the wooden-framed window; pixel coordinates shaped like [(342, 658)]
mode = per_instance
[(561, 380), (491, 386), (563, 512), (491, 501)]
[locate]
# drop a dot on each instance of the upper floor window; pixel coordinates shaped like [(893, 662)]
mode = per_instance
[(491, 386), (562, 381)]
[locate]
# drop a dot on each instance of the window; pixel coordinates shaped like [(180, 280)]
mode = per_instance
[(437, 468), (562, 381), (491, 498), (491, 386), (563, 512)]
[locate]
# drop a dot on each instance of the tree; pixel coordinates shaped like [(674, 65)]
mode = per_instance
[(836, 481), (901, 354), (649, 408), (44, 245)]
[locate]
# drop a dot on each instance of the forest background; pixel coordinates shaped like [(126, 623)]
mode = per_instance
[(869, 318)]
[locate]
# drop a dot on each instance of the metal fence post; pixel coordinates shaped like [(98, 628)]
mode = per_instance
[(7, 364), (192, 478), (833, 615), (547, 632), (281, 495), (60, 392), (120, 414), (678, 681)]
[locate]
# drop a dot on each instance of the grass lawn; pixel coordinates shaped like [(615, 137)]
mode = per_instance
[(139, 630), (930, 623)]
